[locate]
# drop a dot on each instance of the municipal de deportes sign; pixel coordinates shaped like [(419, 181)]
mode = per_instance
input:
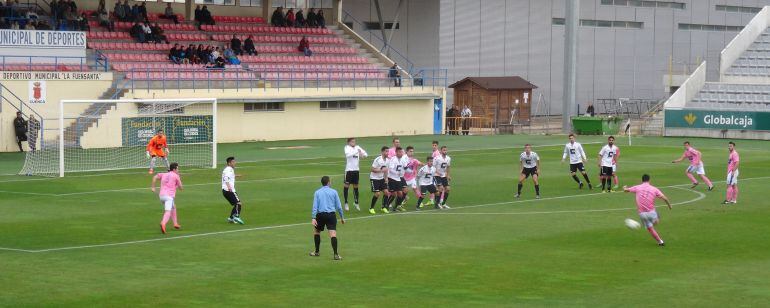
[(717, 119)]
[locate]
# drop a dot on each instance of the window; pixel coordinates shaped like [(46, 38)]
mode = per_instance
[(721, 28), (258, 107), (338, 105), (738, 9), (251, 2), (215, 2), (603, 23), (302, 4), (373, 25), (639, 3)]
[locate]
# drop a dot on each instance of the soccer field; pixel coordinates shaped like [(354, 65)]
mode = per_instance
[(93, 239)]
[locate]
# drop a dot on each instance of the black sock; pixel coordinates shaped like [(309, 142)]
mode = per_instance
[(437, 198), (234, 211), (374, 201), (238, 210), (537, 189), (334, 244), (419, 201), (604, 182), (520, 186), (585, 176), (317, 240), (399, 200), (446, 196), (355, 195), (345, 194), (385, 201), (574, 177)]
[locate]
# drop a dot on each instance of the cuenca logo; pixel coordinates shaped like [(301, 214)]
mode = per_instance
[(690, 118), (744, 121)]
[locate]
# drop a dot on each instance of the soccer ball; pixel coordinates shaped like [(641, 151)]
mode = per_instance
[(633, 224)]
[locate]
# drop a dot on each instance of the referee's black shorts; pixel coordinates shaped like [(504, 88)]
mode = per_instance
[(231, 197), (328, 220)]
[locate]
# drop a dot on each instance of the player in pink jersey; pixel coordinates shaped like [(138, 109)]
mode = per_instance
[(436, 151), (392, 150), (169, 182), (410, 174), (733, 160), (696, 165), (645, 203)]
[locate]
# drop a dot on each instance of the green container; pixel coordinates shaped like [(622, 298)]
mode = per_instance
[(596, 125)]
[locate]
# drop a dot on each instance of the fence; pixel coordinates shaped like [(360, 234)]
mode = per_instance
[(469, 126)]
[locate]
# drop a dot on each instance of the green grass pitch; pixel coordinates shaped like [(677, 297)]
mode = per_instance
[(93, 239)]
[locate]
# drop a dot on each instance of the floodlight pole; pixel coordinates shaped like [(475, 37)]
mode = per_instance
[(571, 23)]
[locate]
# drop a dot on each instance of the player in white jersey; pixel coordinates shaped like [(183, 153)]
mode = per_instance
[(577, 157), (607, 159), (427, 185), (442, 163), (396, 166), (377, 178), (353, 154), (529, 163), (228, 191)]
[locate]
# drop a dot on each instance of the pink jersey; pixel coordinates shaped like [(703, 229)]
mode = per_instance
[(391, 152), (169, 182), (411, 169), (645, 196), (436, 153), (693, 155), (732, 161)]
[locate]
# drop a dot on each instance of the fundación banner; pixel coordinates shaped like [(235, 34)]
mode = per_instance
[(717, 119), (178, 129)]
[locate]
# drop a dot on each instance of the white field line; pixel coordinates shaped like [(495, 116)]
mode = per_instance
[(342, 163), (355, 218), (26, 193)]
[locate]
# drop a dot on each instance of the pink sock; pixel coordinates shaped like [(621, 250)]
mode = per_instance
[(166, 216), (654, 234), (173, 217), (706, 179), (735, 193), (615, 179), (692, 178), (729, 196), (442, 196)]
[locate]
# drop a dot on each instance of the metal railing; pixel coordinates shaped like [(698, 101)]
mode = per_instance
[(101, 61), (43, 63), (164, 79), (469, 126), (399, 57)]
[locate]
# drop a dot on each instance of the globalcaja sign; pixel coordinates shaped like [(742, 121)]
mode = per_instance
[(42, 39), (178, 129), (717, 119)]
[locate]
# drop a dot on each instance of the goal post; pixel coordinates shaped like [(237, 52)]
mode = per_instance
[(102, 135)]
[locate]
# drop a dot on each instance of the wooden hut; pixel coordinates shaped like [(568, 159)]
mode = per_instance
[(502, 99)]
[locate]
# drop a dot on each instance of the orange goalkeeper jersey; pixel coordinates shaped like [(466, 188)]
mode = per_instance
[(156, 146)]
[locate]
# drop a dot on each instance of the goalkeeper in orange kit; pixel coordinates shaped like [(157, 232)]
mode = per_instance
[(157, 148)]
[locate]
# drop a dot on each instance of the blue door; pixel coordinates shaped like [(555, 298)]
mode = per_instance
[(438, 116)]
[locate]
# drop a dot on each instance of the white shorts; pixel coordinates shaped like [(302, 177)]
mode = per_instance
[(412, 183), (696, 169), (732, 178), (649, 218), (168, 202)]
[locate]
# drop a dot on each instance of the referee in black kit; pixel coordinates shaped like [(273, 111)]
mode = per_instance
[(325, 202)]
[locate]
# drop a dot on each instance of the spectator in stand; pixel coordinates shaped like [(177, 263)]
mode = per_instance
[(143, 12), (219, 63), (290, 18), (230, 56), (277, 20), (119, 11), (158, 34), (135, 13), (43, 25), (104, 20), (590, 110), (127, 9), (304, 46), (192, 57), (15, 25), (137, 32), (206, 17), (54, 5), (73, 6), (215, 54), (172, 54), (202, 54), (20, 128), (169, 13), (300, 19), (249, 46), (83, 23), (102, 7), (320, 21), (30, 25), (32, 132), (235, 44), (395, 75), (72, 18), (311, 19), (197, 14), (148, 32)]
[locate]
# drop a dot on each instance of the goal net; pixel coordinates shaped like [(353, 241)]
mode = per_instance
[(100, 135)]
